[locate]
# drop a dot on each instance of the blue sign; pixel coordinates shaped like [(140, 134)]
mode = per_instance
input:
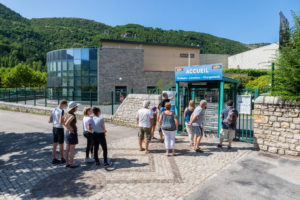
[(199, 73)]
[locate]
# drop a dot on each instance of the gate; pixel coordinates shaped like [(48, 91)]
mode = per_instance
[(245, 125)]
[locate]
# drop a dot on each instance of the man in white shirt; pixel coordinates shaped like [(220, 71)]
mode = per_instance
[(58, 120), (144, 119)]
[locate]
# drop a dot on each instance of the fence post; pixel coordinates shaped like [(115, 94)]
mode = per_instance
[(91, 102), (112, 102), (73, 95), (8, 95), (25, 96), (45, 94), (17, 99), (131, 90), (34, 98)]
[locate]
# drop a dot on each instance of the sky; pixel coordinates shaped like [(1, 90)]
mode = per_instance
[(247, 21)]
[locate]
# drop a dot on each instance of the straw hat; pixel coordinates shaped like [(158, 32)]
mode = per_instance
[(72, 105)]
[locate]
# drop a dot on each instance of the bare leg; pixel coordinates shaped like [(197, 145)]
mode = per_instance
[(147, 146), (61, 150), (229, 142), (221, 141), (195, 141), (141, 145), (152, 131), (67, 154), (72, 150), (54, 150)]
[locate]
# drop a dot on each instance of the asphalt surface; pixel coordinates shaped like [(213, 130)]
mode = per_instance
[(258, 176)]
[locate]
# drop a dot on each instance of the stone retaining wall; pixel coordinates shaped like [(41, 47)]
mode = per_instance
[(277, 125), (38, 109), (126, 113)]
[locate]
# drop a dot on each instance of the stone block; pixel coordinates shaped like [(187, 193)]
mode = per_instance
[(279, 114), (298, 148), (272, 149), (285, 125), (260, 119), (257, 112), (297, 136), (276, 124), (259, 100), (273, 118), (281, 139), (265, 147), (292, 126), (269, 100), (292, 153), (296, 120), (291, 141), (281, 151), (293, 147), (260, 141), (283, 145), (285, 119)]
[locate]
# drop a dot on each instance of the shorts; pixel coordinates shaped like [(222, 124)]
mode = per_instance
[(197, 130), (144, 133), (58, 135), (225, 132), (71, 139)]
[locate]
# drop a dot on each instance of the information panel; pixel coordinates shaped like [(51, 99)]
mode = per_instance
[(244, 104), (199, 73)]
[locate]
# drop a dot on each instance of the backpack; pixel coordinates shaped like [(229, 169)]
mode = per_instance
[(168, 122), (231, 117)]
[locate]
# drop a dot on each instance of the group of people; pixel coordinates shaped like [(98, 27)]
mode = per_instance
[(194, 121), (93, 130)]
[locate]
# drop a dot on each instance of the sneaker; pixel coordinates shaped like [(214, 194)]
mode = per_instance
[(62, 161), (55, 161), (153, 138), (67, 165), (219, 146), (107, 164), (89, 160), (199, 151)]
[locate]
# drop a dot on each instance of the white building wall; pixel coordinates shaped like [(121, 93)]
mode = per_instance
[(260, 58)]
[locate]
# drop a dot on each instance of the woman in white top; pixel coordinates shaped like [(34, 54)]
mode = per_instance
[(88, 133)]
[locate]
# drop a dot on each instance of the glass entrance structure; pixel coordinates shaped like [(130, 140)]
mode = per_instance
[(72, 74)]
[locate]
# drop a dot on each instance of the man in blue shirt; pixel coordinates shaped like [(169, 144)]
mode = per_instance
[(229, 116)]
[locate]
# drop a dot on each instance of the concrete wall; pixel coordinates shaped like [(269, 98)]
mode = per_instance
[(260, 58), (277, 125), (159, 58), (124, 67), (213, 59), (126, 113)]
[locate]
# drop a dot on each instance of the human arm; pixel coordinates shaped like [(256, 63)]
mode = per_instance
[(50, 119), (173, 96), (185, 113), (193, 118), (176, 121), (67, 124), (104, 129)]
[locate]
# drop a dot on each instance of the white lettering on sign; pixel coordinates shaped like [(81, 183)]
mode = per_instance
[(197, 71)]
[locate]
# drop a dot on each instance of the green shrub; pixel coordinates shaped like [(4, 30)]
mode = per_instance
[(250, 72), (243, 80), (259, 83)]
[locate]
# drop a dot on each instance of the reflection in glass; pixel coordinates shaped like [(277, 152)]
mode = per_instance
[(64, 65), (85, 54), (70, 54), (77, 54)]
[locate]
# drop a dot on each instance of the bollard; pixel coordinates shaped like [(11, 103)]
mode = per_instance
[(25, 96), (34, 98), (112, 102), (45, 94)]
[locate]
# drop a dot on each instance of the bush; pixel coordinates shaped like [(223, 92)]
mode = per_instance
[(287, 76), (250, 72), (243, 80), (259, 83)]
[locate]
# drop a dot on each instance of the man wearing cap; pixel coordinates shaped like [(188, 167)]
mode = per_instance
[(58, 120), (144, 119)]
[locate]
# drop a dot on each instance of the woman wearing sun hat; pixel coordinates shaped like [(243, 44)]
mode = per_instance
[(71, 134)]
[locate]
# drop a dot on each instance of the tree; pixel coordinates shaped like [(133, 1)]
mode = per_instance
[(287, 76), (19, 76)]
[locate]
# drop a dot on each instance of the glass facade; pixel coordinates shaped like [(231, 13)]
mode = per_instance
[(72, 74)]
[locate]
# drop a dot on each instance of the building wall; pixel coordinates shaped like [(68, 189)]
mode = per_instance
[(260, 58), (159, 58), (125, 67), (213, 59)]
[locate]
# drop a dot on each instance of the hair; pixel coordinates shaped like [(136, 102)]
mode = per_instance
[(96, 110), (203, 102), (165, 94), (229, 103), (72, 110), (192, 105), (168, 106), (86, 110), (146, 103), (63, 102)]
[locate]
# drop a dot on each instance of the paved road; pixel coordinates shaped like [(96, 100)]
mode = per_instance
[(26, 172), (258, 176)]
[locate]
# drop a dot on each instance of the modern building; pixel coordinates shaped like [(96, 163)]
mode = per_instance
[(206, 59), (117, 66), (259, 58)]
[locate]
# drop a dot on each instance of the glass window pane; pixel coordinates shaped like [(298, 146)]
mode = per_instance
[(64, 81), (70, 65), (85, 54), (64, 65), (93, 73), (63, 54), (64, 74), (64, 92), (93, 81), (77, 53), (59, 65), (85, 82), (93, 54), (70, 55), (70, 91), (93, 64), (71, 82), (54, 66), (77, 81), (84, 71)]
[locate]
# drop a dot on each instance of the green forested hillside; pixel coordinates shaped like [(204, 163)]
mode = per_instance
[(27, 41)]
